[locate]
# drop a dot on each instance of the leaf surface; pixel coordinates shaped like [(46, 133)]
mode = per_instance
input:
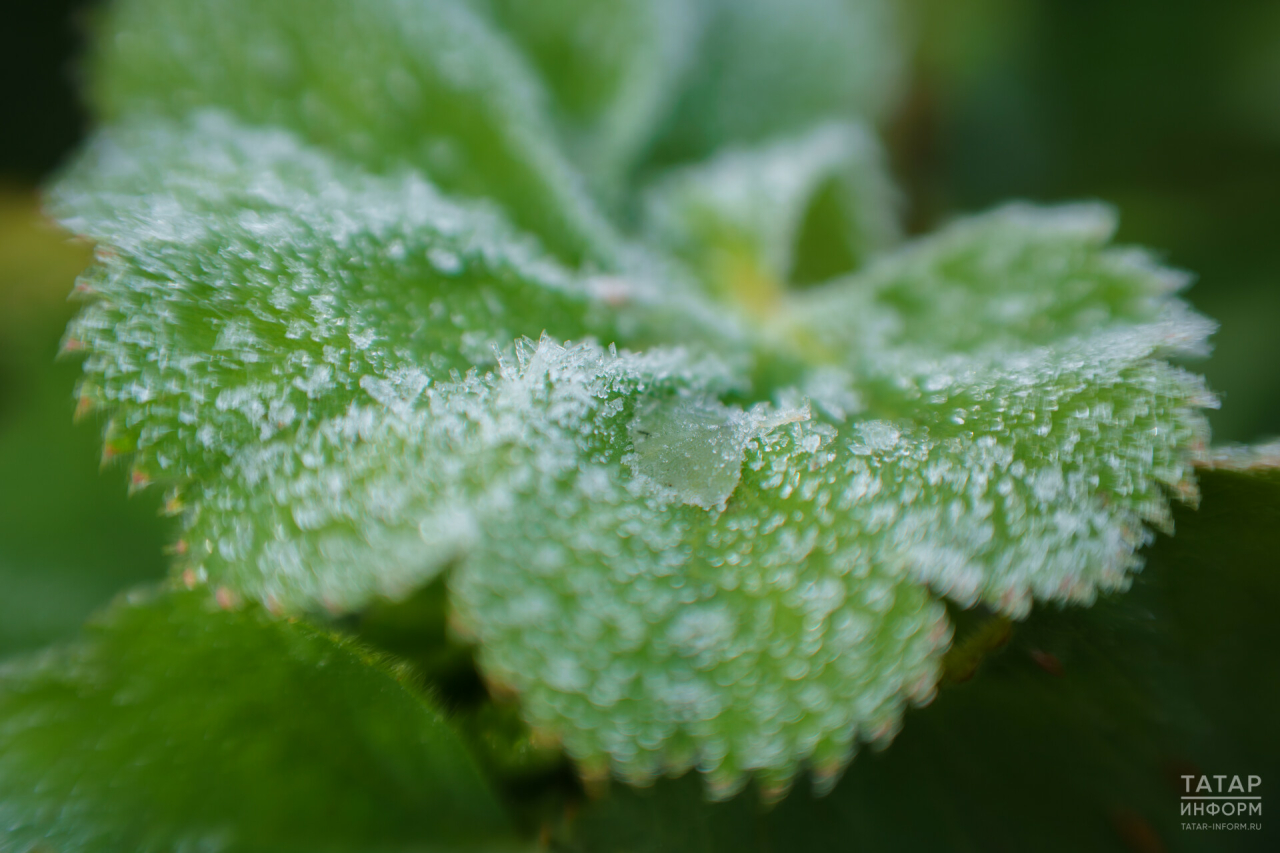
[(665, 636), (270, 330), (177, 725), (1027, 425), (385, 84), (797, 210), (827, 60), (613, 71), (1074, 734)]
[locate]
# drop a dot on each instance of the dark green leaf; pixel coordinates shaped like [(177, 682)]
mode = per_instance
[(177, 725)]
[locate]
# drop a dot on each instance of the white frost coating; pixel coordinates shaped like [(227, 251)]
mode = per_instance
[(413, 472), (1257, 457), (1016, 276), (725, 642), (832, 390)]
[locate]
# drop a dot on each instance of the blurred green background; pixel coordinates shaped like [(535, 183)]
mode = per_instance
[(1169, 110)]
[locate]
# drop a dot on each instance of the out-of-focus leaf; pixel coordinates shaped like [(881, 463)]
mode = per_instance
[(178, 725), (384, 83), (1219, 593), (766, 68), (612, 69), (70, 538)]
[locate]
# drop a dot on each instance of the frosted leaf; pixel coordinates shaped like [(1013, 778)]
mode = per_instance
[(385, 83), (379, 498), (265, 329), (686, 539), (612, 70), (1046, 496), (250, 279), (645, 633), (653, 636), (1017, 276), (739, 218), (1041, 429)]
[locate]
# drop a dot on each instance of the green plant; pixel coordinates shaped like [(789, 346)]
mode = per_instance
[(579, 309)]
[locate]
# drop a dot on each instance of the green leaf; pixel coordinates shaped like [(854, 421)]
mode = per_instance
[(740, 218), (70, 538), (1104, 708), (328, 451), (387, 84), (743, 636), (1002, 476), (718, 547), (1019, 276), (177, 725), (767, 69), (1027, 425), (1217, 588), (261, 308), (612, 70)]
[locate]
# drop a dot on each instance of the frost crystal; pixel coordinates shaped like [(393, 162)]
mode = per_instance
[(354, 308)]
